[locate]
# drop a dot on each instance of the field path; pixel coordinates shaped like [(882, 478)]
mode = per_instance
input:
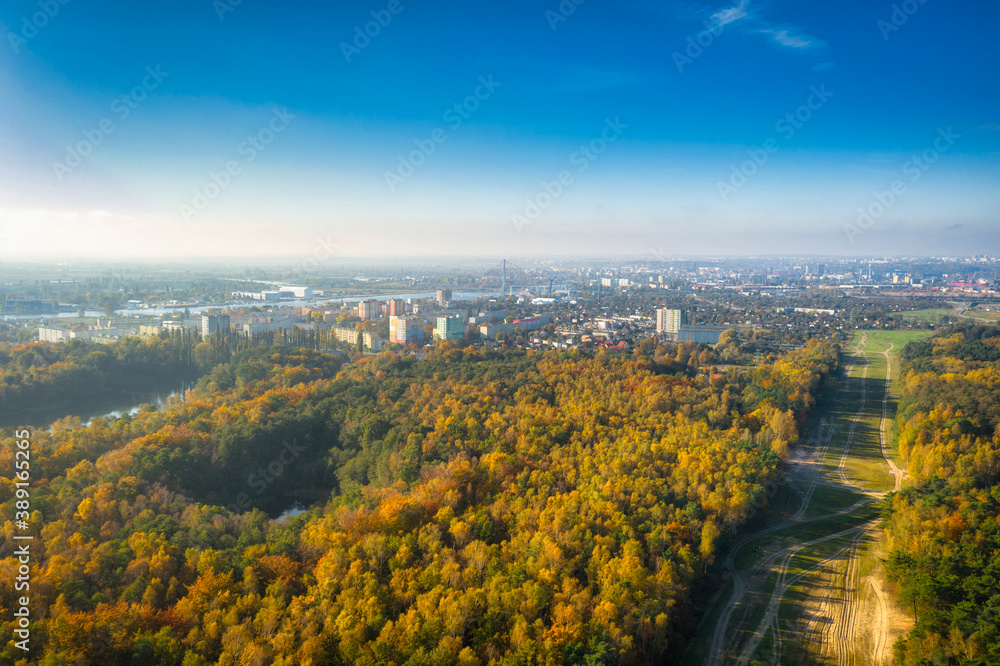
[(847, 600)]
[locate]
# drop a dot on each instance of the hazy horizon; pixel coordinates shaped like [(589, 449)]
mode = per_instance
[(235, 129)]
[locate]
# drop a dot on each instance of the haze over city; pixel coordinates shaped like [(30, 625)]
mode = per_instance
[(401, 128)]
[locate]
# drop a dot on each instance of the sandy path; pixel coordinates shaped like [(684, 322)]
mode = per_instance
[(847, 611)]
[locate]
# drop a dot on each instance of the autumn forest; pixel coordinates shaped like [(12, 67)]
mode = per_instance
[(471, 507)]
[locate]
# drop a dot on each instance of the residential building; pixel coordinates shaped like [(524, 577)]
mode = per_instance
[(46, 334), (350, 336), (212, 324), (443, 296), (488, 317), (449, 328), (370, 309), (706, 335), (527, 324), (669, 321), (406, 330), (397, 307)]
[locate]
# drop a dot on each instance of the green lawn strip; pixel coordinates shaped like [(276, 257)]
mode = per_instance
[(750, 613), (829, 498), (802, 531), (865, 465), (932, 315)]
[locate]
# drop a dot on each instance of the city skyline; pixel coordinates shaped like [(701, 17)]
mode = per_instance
[(660, 129)]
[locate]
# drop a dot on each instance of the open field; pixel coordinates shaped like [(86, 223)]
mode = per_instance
[(987, 317), (957, 312), (807, 587), (932, 315)]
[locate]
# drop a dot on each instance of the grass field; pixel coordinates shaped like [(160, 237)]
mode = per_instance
[(931, 315), (983, 316), (956, 313), (852, 477)]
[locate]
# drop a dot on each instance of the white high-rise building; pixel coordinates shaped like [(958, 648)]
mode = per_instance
[(669, 321)]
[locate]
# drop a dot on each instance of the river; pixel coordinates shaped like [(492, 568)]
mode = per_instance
[(150, 312), (112, 407)]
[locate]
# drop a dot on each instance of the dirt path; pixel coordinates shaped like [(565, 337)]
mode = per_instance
[(844, 629), (841, 636), (784, 582), (846, 613), (881, 629), (897, 473), (804, 466)]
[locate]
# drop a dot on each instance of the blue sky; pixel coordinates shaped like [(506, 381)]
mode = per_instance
[(264, 128)]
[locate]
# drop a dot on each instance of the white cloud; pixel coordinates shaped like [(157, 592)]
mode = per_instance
[(727, 16), (752, 22), (786, 38)]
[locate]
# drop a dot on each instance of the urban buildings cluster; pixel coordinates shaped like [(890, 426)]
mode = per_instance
[(673, 323)]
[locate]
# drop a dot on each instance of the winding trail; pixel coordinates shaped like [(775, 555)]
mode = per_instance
[(784, 582), (844, 626), (898, 474), (822, 436), (843, 630)]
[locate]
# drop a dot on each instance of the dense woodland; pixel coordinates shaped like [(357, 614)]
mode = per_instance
[(471, 507), (77, 373), (943, 529)]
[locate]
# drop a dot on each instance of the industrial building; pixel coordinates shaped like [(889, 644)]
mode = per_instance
[(705, 335)]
